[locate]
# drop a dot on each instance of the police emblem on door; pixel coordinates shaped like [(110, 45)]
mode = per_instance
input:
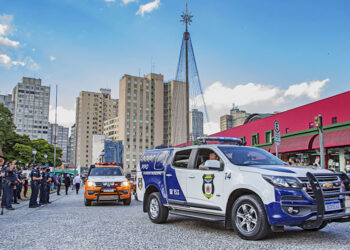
[(139, 183), (208, 185)]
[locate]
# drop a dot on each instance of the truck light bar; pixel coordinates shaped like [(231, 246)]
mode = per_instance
[(221, 140)]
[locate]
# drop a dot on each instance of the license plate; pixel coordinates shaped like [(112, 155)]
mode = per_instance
[(332, 205), (108, 190)]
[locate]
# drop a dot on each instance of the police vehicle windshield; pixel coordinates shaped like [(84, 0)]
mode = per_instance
[(106, 171), (245, 156)]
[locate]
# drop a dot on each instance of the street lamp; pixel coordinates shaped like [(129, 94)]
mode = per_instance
[(45, 156), (34, 153)]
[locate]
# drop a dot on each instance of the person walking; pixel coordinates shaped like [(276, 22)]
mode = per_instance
[(77, 182), (25, 185), (67, 183)]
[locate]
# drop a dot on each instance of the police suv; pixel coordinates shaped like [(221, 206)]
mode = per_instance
[(249, 189)]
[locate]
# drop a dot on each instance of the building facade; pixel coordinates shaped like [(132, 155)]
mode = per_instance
[(196, 124), (62, 134), (225, 122), (31, 108), (299, 135), (92, 110), (8, 103), (175, 118), (111, 128), (72, 145)]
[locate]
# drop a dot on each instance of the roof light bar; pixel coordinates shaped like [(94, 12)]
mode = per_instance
[(221, 140)]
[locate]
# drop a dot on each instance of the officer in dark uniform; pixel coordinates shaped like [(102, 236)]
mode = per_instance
[(35, 179), (48, 185), (2, 178), (10, 182), (20, 183), (42, 199), (15, 187)]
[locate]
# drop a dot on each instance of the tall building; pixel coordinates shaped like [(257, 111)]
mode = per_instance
[(31, 108), (61, 134), (8, 103), (141, 108), (72, 145), (92, 109), (196, 124), (98, 146), (225, 122), (174, 113), (111, 127)]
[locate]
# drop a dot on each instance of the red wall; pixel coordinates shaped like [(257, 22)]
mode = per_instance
[(296, 119)]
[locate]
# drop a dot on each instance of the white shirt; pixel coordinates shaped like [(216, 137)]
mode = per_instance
[(76, 179)]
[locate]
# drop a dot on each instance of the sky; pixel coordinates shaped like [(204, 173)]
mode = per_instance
[(262, 56)]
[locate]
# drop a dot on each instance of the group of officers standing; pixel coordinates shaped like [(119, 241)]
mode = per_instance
[(12, 181)]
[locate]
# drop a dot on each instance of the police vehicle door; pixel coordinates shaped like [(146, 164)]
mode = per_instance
[(205, 187), (176, 176)]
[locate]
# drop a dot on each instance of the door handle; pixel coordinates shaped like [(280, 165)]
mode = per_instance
[(191, 176), (168, 175)]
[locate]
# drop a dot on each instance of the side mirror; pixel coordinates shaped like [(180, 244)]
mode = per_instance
[(212, 164)]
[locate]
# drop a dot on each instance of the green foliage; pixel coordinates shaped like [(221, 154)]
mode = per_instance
[(20, 147)]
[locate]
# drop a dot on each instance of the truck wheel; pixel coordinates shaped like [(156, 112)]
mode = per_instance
[(156, 211), (127, 201), (249, 218), (87, 202), (323, 225)]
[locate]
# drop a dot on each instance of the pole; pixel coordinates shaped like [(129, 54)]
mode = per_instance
[(187, 36), (55, 135), (34, 159), (322, 158), (277, 151)]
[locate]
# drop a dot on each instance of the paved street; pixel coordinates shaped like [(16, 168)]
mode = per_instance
[(68, 224)]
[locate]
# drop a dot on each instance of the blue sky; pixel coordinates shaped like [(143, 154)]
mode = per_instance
[(271, 45)]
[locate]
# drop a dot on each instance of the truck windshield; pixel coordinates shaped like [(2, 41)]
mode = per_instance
[(106, 171), (245, 156)]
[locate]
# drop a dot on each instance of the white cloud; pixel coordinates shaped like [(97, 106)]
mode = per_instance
[(311, 90), (5, 42), (110, 1), (6, 24), (253, 97), (128, 1), (148, 7), (7, 62), (3, 29), (65, 117), (52, 58)]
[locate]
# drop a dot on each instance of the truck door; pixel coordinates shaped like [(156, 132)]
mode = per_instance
[(176, 177), (205, 187)]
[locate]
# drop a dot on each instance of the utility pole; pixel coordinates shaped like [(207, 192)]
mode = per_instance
[(55, 135), (319, 126), (187, 19)]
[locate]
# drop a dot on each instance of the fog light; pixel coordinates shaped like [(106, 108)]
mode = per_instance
[(293, 210)]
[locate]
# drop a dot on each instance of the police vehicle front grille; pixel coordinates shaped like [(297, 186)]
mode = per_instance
[(323, 180), (106, 184)]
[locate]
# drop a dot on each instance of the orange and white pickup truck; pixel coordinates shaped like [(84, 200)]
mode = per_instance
[(106, 182)]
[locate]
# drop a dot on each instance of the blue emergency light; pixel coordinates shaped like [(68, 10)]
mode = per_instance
[(221, 140)]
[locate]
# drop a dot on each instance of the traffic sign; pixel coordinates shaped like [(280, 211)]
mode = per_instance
[(277, 133)]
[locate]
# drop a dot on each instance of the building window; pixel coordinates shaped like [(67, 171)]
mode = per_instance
[(287, 130), (334, 120), (255, 139), (268, 136), (311, 125)]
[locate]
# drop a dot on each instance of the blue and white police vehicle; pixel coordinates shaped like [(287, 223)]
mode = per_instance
[(248, 188)]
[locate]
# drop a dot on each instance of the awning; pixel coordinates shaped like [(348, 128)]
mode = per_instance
[(332, 139)]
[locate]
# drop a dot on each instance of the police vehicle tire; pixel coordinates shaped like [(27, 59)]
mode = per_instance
[(156, 211), (127, 201), (87, 202), (249, 218), (323, 225)]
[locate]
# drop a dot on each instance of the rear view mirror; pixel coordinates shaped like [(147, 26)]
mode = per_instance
[(212, 164)]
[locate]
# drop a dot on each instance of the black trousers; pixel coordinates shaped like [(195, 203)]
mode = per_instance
[(15, 194), (67, 188), (19, 190), (77, 187), (58, 189), (34, 195)]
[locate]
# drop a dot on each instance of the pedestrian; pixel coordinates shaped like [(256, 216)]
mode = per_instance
[(35, 179), (67, 183), (77, 182), (25, 185), (59, 182)]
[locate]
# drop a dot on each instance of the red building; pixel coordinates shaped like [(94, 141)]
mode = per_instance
[(299, 135)]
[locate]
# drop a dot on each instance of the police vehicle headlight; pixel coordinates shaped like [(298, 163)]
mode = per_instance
[(124, 184), (283, 182), (91, 184)]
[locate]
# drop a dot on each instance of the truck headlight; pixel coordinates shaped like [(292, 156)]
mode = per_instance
[(283, 181), (91, 184), (124, 184)]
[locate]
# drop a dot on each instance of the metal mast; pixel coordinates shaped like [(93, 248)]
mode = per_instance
[(186, 18)]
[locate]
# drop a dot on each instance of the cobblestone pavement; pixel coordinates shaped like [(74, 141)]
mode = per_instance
[(68, 224)]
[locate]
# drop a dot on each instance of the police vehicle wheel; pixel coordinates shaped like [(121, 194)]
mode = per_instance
[(156, 211), (127, 201), (87, 202), (323, 225), (249, 218)]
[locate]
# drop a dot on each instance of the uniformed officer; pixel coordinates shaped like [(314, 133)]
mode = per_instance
[(2, 178), (20, 183), (15, 187), (48, 184), (35, 179), (10, 182), (42, 199)]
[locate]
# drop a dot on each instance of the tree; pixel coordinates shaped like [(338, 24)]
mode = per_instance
[(6, 125)]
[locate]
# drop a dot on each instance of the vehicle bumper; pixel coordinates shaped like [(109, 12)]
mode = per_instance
[(98, 194), (278, 215)]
